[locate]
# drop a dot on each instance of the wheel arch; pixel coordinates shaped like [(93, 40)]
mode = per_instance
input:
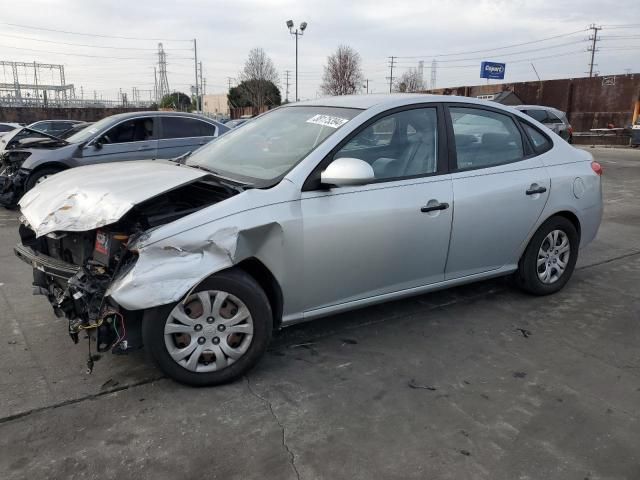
[(261, 274), (49, 165), (565, 213)]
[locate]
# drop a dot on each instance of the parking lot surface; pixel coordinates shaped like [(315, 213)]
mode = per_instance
[(477, 382)]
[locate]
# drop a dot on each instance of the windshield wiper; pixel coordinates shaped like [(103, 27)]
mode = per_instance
[(181, 158), (222, 179)]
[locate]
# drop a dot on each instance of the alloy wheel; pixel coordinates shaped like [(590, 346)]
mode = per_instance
[(553, 256)]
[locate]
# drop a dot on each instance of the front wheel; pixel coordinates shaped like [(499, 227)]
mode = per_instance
[(550, 257), (214, 335)]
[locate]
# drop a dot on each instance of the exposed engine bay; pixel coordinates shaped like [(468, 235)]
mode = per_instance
[(74, 269)]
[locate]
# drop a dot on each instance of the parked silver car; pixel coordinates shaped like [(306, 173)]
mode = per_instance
[(308, 210), (122, 137), (552, 118)]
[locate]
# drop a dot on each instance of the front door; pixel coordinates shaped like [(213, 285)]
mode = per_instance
[(388, 236), (499, 192), (134, 139)]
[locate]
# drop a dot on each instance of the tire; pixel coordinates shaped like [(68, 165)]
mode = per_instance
[(546, 278), (40, 175), (212, 365)]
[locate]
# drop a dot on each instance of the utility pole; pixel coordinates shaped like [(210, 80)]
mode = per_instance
[(592, 48), (195, 58), (286, 76), (367, 85), (391, 65), (201, 89), (434, 67)]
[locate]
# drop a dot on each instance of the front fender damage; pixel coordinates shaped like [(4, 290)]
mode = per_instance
[(167, 270)]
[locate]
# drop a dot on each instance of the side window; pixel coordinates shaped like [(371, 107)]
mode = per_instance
[(135, 130), (377, 135), (540, 142), (552, 118), (539, 115), (400, 145), (6, 128), (484, 138), (179, 127)]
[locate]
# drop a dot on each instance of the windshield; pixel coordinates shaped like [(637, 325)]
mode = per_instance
[(269, 146), (88, 133)]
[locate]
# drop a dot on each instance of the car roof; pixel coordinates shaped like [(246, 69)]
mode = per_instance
[(390, 100), (159, 113)]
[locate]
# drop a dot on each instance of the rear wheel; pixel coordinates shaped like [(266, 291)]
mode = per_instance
[(214, 335), (550, 258), (40, 176)]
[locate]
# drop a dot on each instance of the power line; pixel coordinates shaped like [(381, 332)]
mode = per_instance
[(86, 45), (499, 48), (511, 54), (84, 55), (94, 34)]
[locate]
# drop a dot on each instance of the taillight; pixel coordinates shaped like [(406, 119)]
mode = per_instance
[(597, 168)]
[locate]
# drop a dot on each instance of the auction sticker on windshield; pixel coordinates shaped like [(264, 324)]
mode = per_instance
[(327, 120)]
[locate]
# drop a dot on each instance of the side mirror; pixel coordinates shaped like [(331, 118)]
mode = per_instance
[(347, 171), (97, 143)]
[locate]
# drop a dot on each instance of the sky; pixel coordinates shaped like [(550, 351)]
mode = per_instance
[(458, 34)]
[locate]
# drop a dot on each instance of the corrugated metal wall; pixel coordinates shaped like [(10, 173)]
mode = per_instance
[(589, 102)]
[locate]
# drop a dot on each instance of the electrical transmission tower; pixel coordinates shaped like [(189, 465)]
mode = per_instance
[(392, 61), (434, 67), (286, 76), (163, 83), (421, 73), (592, 48)]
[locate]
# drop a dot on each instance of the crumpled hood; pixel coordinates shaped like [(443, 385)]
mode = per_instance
[(85, 198)]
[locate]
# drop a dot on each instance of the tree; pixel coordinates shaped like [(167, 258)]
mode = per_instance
[(239, 96), (343, 72), (257, 79), (178, 101), (409, 82)]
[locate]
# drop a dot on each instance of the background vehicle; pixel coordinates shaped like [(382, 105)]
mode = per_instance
[(54, 127), (309, 210), (552, 118), (123, 137), (236, 123), (7, 127)]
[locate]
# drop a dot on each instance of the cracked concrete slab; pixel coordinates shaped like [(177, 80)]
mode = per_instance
[(334, 398)]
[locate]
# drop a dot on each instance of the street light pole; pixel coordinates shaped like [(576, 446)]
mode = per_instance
[(297, 32)]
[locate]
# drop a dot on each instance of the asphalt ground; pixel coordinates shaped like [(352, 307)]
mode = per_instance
[(476, 382)]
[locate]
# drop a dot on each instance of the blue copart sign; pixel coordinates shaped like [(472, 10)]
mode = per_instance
[(492, 70)]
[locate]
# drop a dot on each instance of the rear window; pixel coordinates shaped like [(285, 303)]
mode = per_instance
[(177, 127)]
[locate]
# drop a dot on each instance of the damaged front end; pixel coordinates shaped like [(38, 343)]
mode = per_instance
[(76, 269), (12, 178)]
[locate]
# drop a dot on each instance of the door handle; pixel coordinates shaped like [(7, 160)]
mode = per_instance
[(533, 190), (433, 208), (144, 147)]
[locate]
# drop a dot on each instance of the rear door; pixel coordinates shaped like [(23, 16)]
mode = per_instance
[(499, 187), (180, 135), (131, 139)]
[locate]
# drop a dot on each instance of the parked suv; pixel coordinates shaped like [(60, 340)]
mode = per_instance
[(552, 118), (123, 137)]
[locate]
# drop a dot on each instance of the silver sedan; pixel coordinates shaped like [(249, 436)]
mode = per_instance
[(308, 210)]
